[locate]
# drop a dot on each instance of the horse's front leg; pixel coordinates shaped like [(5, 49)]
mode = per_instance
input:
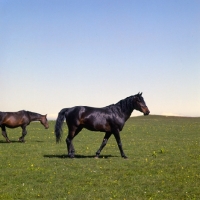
[(24, 132), (105, 140), (118, 139), (3, 128)]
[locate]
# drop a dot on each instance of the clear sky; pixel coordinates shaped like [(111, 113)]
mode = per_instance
[(61, 53)]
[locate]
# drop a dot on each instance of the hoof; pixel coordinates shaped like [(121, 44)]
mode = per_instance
[(71, 156), (96, 156)]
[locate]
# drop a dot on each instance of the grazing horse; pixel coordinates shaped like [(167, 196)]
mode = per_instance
[(109, 119), (21, 118)]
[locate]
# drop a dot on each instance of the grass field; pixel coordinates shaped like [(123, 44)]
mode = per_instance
[(163, 163)]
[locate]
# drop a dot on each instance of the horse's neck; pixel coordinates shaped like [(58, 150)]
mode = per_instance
[(121, 112), (126, 109), (34, 116), (127, 115)]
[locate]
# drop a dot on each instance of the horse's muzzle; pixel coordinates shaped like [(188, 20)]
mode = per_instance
[(146, 111)]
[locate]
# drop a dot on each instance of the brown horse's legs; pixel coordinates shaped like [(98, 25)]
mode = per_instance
[(105, 139), (24, 132), (3, 128), (118, 139)]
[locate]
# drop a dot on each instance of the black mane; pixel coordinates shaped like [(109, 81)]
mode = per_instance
[(126, 105)]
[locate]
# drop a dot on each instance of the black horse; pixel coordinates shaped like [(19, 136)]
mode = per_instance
[(109, 119), (20, 119)]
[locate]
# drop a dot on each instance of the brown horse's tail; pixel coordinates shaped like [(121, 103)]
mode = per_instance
[(59, 123)]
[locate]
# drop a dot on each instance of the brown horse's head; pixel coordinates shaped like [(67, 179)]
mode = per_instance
[(140, 104), (44, 121)]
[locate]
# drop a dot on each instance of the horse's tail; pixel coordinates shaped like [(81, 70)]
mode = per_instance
[(59, 123)]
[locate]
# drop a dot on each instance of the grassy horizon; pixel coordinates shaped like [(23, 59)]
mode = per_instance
[(163, 162)]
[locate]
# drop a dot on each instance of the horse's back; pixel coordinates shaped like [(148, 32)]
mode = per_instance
[(84, 111)]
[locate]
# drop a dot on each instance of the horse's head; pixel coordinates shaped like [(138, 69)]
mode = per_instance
[(44, 121), (140, 104)]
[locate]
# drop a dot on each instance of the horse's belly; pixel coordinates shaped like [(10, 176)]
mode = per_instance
[(11, 126), (97, 127), (12, 122), (95, 122)]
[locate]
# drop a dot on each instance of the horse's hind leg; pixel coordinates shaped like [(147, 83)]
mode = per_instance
[(69, 141), (70, 147), (105, 139), (3, 128), (24, 132)]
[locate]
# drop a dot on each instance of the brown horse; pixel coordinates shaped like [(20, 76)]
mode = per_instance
[(109, 119), (20, 119)]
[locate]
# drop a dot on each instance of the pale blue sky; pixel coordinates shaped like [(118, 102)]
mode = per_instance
[(61, 53)]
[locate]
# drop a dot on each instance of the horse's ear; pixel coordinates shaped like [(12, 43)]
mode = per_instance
[(141, 94)]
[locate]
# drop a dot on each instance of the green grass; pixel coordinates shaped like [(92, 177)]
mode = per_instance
[(163, 152)]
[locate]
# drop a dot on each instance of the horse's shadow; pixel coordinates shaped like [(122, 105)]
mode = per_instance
[(15, 141), (77, 156), (11, 141)]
